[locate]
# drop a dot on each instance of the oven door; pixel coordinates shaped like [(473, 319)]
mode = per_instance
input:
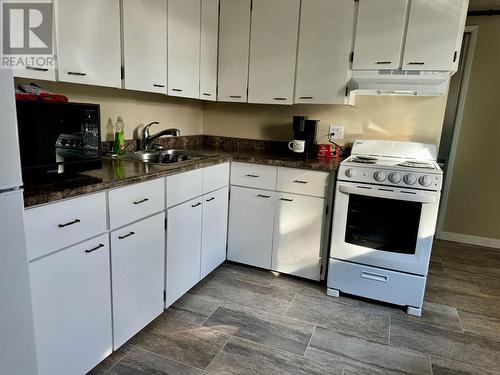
[(385, 227)]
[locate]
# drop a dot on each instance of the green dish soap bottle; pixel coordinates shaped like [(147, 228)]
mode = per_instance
[(119, 145)]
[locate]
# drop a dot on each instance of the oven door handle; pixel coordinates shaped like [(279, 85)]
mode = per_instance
[(411, 196)]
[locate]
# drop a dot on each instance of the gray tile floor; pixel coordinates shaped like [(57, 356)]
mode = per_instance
[(240, 320)]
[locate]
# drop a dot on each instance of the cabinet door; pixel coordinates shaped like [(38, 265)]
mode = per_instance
[(145, 45), (297, 235), (183, 248), (433, 30), (214, 231), (71, 295), (379, 34), (184, 48), (138, 268), (234, 39), (251, 219), (88, 36), (208, 49), (273, 51), (323, 52)]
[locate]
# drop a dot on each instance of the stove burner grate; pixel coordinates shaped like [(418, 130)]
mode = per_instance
[(364, 159), (416, 164)]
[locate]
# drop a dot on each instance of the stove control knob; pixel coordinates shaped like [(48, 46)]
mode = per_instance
[(410, 179), (425, 181), (351, 173), (395, 177), (379, 176)]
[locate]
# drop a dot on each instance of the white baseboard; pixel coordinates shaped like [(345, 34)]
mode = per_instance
[(468, 239)]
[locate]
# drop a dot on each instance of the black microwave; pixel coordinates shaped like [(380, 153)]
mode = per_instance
[(58, 138)]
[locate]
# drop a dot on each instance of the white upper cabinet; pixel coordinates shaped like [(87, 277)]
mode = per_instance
[(379, 34), (323, 52), (184, 48), (273, 51), (434, 34), (88, 39), (208, 49), (145, 45), (234, 39)]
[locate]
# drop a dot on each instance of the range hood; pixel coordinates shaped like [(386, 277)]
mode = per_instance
[(399, 82)]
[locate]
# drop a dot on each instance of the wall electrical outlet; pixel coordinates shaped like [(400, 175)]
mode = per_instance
[(336, 132)]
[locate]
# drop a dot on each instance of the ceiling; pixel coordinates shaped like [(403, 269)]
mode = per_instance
[(484, 4)]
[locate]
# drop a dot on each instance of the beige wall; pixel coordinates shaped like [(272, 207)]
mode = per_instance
[(474, 202), (399, 118), (136, 108)]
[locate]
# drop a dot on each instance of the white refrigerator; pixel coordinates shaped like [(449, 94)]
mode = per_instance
[(17, 341)]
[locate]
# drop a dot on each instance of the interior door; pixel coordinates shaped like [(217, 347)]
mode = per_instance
[(273, 51), (434, 34), (184, 48), (379, 34), (145, 48)]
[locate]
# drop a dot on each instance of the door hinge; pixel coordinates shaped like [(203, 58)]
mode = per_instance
[(351, 57), (165, 294), (455, 56), (122, 72)]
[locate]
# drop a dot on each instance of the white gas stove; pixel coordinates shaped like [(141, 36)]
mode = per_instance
[(386, 204)]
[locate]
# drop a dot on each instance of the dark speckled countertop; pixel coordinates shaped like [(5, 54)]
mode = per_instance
[(115, 173)]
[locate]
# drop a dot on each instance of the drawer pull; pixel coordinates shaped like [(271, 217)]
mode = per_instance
[(263, 196), (416, 63), (286, 200), (77, 74), (210, 199), (38, 69), (206, 94), (253, 175), (383, 62), (178, 90), (300, 182), (157, 85), (95, 248), (141, 201), (306, 97), (196, 205), (235, 96), (127, 235), (375, 277), (70, 223), (279, 98)]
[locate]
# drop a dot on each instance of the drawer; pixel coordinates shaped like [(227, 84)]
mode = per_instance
[(375, 283), (254, 175), (215, 177), (184, 186), (131, 203), (301, 181), (54, 226)]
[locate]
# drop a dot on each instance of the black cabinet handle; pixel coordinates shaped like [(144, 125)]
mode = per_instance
[(77, 74), (416, 63), (252, 175), (286, 199), (279, 98), (210, 199), (196, 205), (235, 96), (70, 223), (263, 196), (306, 97), (37, 69), (141, 201), (178, 90), (156, 85), (383, 62), (127, 235), (300, 182), (95, 248)]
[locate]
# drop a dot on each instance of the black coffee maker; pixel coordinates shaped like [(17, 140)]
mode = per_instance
[(304, 130)]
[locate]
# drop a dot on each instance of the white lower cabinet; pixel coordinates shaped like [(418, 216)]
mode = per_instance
[(214, 230), (251, 219), (298, 229), (72, 308), (183, 248), (137, 264)]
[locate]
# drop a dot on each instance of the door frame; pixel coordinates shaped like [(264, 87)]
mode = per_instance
[(472, 30)]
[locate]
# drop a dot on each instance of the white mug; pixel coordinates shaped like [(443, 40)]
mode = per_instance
[(297, 145)]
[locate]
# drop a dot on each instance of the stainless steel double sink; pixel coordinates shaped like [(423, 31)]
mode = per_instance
[(172, 156)]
